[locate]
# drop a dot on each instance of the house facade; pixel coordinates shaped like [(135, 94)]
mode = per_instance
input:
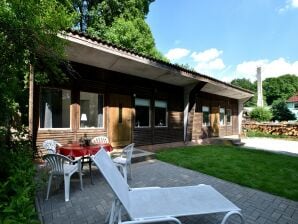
[(292, 104), (129, 97)]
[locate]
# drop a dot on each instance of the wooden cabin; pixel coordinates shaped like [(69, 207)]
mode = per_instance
[(130, 97)]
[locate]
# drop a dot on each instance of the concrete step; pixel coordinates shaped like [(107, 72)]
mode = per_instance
[(138, 155)]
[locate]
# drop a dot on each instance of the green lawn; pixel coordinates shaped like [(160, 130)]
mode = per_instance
[(274, 173)]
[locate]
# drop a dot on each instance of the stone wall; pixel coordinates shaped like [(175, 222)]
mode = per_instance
[(272, 128)]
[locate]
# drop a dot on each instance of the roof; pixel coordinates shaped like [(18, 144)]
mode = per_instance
[(84, 49), (293, 98)]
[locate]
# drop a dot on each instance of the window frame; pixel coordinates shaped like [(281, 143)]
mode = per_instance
[(229, 123), (204, 124), (149, 112), (39, 120), (224, 116), (166, 118), (103, 111)]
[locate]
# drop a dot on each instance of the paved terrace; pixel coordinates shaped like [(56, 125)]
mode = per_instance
[(92, 204)]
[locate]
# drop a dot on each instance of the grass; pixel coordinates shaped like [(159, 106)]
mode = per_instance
[(273, 173), (251, 133)]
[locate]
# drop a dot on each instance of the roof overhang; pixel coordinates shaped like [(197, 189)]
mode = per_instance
[(88, 51)]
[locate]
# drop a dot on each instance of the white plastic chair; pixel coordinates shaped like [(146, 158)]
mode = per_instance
[(124, 160), (155, 204), (50, 145), (99, 139), (63, 166)]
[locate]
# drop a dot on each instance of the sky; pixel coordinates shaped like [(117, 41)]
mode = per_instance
[(228, 39)]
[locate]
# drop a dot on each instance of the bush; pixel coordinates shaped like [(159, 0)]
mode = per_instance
[(17, 186), (281, 112), (261, 114)]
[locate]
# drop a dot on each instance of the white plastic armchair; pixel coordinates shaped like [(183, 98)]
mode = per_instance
[(50, 145), (63, 166), (124, 160), (157, 204), (100, 139)]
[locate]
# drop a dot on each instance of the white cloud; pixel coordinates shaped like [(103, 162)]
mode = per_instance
[(273, 68), (206, 55), (289, 4), (216, 64), (294, 3), (208, 61), (177, 53)]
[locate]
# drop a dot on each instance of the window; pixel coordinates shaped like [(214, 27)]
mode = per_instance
[(229, 117), (296, 105), (160, 113), (54, 108), (206, 119), (222, 116), (91, 115), (142, 108)]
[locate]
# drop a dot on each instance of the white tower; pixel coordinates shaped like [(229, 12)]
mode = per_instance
[(260, 88)]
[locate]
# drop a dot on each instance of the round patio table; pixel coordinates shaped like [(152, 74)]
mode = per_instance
[(78, 150)]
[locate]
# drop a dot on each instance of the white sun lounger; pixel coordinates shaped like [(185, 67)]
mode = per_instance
[(155, 204)]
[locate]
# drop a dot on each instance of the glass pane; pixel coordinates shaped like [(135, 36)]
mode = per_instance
[(142, 108), (161, 104), (229, 113), (206, 121), (160, 113), (160, 116), (142, 102), (205, 109), (91, 110), (222, 116), (55, 108)]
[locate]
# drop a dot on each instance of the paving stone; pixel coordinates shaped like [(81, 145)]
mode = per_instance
[(92, 205)]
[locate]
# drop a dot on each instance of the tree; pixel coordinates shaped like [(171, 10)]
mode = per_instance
[(280, 88), (261, 114), (28, 35), (247, 84), (281, 112), (119, 21)]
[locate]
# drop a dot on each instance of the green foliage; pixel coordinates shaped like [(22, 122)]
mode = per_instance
[(261, 114), (119, 21), (28, 35), (244, 83), (280, 88), (247, 84), (17, 186), (281, 112), (133, 34), (253, 168)]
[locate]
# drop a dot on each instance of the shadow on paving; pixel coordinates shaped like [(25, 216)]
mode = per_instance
[(93, 203)]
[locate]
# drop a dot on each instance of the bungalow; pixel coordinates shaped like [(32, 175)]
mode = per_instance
[(130, 97)]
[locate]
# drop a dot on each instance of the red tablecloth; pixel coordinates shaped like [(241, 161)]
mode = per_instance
[(76, 150)]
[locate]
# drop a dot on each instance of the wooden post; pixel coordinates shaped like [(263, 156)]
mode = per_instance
[(31, 93)]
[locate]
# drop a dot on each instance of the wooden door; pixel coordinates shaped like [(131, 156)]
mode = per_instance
[(214, 121), (120, 115)]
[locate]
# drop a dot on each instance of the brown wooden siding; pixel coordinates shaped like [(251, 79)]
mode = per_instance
[(91, 79), (205, 99)]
